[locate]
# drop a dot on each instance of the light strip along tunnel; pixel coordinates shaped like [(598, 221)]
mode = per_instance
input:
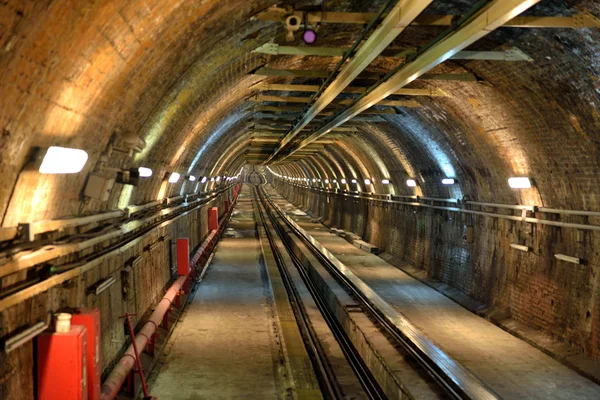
[(300, 199)]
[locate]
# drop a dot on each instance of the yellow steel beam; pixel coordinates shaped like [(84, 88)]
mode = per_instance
[(277, 14), (513, 54), (399, 17), (434, 92), (300, 73), (292, 110), (294, 99), (336, 129), (490, 17)]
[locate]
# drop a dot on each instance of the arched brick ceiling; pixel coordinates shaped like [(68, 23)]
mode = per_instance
[(177, 73)]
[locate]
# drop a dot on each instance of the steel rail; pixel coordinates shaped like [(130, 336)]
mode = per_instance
[(457, 381), (363, 374), (319, 360), (496, 13)]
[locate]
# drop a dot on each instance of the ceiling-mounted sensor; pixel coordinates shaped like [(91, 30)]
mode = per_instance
[(292, 24)]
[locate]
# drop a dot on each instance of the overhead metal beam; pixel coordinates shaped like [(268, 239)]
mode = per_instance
[(399, 17), (298, 110), (299, 73), (295, 99), (278, 118), (336, 129), (277, 14), (493, 15), (513, 54), (434, 92)]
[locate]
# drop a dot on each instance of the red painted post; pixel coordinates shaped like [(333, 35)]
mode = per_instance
[(226, 206), (183, 256), (213, 218)]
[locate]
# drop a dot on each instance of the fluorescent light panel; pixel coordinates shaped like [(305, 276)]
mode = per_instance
[(519, 247), (63, 160), (145, 172), (566, 258), (520, 182), (174, 177), (411, 183)]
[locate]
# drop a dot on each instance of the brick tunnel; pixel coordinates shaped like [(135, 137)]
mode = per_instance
[(299, 199)]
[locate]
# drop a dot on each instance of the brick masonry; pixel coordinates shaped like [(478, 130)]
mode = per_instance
[(558, 298)]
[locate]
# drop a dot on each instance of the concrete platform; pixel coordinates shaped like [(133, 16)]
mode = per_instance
[(511, 367), (224, 347)]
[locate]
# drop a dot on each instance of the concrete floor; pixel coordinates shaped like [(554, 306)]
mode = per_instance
[(511, 367), (224, 347)]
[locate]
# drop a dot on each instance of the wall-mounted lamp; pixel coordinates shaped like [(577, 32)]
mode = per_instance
[(520, 182), (566, 258), (62, 160), (174, 177), (519, 247), (448, 181), (191, 178), (23, 337), (102, 285), (145, 172), (343, 181), (385, 181), (367, 182), (411, 183), (353, 180), (212, 179)]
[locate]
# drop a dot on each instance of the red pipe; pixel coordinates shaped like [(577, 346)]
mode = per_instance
[(112, 384)]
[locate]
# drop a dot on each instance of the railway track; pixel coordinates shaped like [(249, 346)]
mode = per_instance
[(445, 377)]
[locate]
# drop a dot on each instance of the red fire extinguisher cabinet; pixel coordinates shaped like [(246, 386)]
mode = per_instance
[(61, 364)]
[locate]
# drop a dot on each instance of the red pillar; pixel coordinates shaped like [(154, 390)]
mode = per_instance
[(183, 256), (213, 218), (227, 205)]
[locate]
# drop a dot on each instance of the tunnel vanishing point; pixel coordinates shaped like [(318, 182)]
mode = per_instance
[(301, 199)]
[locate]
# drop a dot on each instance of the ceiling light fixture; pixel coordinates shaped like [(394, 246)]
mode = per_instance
[(448, 181), (411, 183)]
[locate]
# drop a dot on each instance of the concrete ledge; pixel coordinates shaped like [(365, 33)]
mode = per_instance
[(556, 349)]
